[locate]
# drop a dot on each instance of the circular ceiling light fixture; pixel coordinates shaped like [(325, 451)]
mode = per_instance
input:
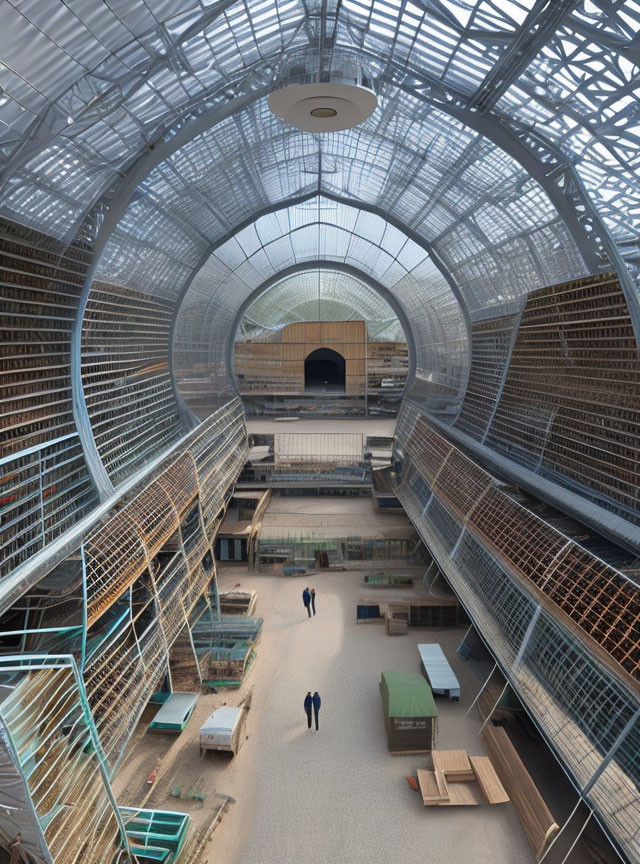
[(323, 93), (323, 112)]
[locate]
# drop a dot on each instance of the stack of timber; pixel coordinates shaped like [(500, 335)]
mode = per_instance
[(229, 663), (388, 580), (186, 668), (453, 780), (396, 625), (537, 821), (238, 602), (226, 649)]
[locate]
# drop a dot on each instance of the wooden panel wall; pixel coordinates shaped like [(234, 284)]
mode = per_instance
[(278, 367), (570, 407)]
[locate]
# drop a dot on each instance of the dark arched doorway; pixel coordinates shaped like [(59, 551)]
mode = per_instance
[(324, 369)]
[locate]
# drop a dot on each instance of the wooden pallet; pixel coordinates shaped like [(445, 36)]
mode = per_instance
[(396, 626), (454, 765)]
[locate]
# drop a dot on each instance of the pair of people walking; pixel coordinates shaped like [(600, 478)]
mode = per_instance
[(312, 703), (309, 600)]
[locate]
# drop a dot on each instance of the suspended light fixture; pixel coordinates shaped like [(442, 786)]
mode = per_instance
[(323, 91)]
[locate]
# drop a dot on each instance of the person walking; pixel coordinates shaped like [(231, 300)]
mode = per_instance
[(306, 599), (313, 600), (308, 704), (316, 706)]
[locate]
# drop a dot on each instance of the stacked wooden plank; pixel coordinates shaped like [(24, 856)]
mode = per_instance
[(238, 602), (537, 821), (226, 649), (455, 779), (454, 765), (396, 626)]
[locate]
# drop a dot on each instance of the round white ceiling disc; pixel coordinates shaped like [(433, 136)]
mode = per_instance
[(351, 104)]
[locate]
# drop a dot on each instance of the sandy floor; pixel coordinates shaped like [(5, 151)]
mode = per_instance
[(337, 795), (333, 516)]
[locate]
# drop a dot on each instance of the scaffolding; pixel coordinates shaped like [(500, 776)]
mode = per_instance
[(562, 624), (569, 406), (116, 607)]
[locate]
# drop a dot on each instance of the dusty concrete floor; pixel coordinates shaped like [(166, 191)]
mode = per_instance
[(337, 795), (334, 516)]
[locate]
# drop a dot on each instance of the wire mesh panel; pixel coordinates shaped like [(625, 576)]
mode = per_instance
[(502, 609), (120, 676), (571, 400), (125, 376), (590, 710), (341, 448), (119, 551), (45, 717), (490, 341), (616, 793), (507, 567)]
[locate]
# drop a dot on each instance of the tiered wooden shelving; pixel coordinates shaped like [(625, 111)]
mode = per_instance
[(570, 407), (125, 374), (490, 341), (44, 483), (387, 370), (600, 601)]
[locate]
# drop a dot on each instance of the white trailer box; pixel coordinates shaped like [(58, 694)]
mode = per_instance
[(224, 730)]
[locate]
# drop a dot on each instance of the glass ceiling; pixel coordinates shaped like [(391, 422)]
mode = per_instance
[(319, 295), (342, 238), (490, 225), (88, 88)]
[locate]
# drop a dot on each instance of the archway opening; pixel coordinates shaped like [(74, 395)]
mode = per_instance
[(324, 369)]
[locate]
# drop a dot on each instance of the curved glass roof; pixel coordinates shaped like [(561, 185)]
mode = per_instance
[(503, 155), (320, 295), (488, 222), (340, 237), (89, 89)]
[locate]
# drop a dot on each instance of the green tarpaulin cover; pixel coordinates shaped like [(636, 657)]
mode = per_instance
[(405, 694)]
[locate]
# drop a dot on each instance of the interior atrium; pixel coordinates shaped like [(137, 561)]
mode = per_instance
[(332, 292)]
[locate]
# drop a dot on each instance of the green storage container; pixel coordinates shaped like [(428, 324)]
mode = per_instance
[(410, 713)]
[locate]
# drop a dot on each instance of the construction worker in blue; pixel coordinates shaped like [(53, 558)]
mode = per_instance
[(306, 599), (308, 703), (316, 706)]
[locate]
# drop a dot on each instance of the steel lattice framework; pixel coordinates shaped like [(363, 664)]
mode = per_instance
[(148, 197), (100, 96)]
